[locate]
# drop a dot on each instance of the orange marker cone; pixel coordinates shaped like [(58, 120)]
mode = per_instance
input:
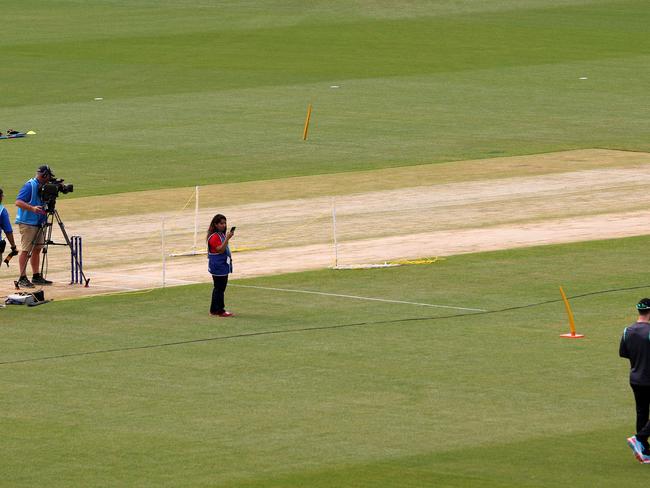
[(572, 324)]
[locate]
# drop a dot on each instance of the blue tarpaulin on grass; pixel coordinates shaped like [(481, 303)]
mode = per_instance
[(13, 136)]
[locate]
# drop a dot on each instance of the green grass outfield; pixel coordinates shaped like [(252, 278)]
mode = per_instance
[(199, 92), (292, 393)]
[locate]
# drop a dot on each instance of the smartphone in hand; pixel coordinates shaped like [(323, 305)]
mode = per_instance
[(232, 229)]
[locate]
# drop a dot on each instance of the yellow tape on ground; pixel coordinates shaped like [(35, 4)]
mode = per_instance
[(417, 261)]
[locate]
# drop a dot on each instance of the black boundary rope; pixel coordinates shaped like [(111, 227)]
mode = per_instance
[(308, 329)]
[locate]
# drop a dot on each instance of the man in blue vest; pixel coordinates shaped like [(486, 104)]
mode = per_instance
[(5, 226), (30, 219)]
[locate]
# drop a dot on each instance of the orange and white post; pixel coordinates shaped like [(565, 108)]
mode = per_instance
[(306, 129), (572, 324)]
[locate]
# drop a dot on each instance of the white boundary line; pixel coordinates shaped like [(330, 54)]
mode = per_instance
[(358, 298), (288, 290)]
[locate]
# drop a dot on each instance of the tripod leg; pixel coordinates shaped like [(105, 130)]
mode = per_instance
[(48, 241)]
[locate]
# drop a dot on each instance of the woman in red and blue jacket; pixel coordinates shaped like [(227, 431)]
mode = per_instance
[(219, 263)]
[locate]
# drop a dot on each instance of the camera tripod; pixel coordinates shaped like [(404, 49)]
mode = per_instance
[(45, 231)]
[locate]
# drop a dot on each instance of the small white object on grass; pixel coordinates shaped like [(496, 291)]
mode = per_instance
[(98, 98), (334, 86), (583, 77)]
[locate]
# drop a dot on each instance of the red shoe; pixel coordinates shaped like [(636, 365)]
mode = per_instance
[(223, 314)]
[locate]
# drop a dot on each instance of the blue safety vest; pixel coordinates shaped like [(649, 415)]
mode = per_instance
[(27, 217), (219, 264), (2, 208)]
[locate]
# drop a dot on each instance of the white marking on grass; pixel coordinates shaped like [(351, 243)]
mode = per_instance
[(359, 298)]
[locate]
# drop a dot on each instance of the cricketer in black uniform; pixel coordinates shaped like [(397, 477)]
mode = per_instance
[(635, 346)]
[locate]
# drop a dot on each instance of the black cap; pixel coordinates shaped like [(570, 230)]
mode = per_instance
[(643, 305), (45, 170)]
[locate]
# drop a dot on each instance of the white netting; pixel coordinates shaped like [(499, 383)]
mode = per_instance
[(332, 223)]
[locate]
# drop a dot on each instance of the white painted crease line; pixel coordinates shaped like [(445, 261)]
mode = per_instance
[(186, 281), (359, 298), (132, 276), (99, 285), (144, 277), (109, 287)]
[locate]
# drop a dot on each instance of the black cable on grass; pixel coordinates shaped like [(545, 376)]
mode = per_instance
[(308, 329)]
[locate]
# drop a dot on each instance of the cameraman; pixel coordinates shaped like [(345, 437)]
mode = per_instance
[(5, 226), (30, 219)]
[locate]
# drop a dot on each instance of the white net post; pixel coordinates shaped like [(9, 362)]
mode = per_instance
[(195, 239), (196, 217), (336, 246), (162, 246)]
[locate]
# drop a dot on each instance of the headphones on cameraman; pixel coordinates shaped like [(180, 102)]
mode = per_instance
[(45, 170)]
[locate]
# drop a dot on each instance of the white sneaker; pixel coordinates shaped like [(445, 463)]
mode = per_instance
[(637, 448)]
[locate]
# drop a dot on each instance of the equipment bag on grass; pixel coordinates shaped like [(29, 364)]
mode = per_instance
[(24, 298)]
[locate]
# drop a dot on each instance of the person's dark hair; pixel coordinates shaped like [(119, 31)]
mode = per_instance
[(1, 192), (643, 307), (213, 224)]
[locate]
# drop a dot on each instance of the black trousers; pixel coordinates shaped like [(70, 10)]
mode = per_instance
[(218, 292), (642, 399)]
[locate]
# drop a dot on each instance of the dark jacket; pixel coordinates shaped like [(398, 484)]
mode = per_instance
[(635, 346)]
